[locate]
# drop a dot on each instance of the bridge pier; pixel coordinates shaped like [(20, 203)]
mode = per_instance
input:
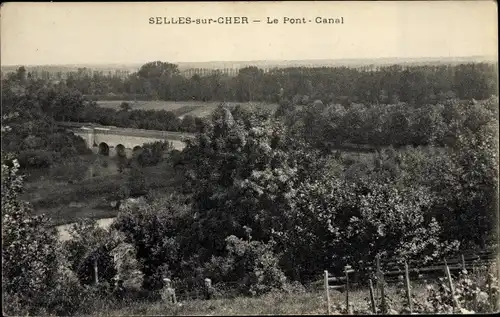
[(90, 137)]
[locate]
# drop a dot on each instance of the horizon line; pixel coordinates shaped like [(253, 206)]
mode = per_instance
[(488, 57)]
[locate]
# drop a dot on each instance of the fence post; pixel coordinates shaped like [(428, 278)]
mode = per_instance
[(381, 284), (96, 275), (372, 298), (347, 289), (327, 292), (208, 289), (463, 262), (348, 270), (450, 283), (408, 288), (169, 291)]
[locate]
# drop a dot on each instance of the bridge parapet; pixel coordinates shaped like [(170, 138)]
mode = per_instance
[(147, 134), (135, 132)]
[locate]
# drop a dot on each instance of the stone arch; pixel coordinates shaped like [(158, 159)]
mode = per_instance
[(120, 150), (104, 149), (136, 150)]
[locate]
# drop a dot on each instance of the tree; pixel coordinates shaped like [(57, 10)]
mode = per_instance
[(29, 262), (241, 173), (249, 87), (136, 182), (153, 153), (157, 78), (153, 231), (90, 246), (125, 106)]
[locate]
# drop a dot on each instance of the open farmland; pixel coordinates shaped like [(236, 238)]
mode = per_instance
[(182, 108)]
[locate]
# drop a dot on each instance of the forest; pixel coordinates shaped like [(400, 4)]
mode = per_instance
[(373, 85), (266, 200)]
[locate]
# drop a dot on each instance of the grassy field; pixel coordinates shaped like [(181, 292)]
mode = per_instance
[(182, 108), (278, 303)]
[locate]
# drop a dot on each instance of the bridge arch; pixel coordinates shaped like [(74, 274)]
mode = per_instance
[(120, 150), (136, 150), (104, 149)]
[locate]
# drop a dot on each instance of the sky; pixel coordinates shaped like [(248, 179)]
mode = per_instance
[(100, 33)]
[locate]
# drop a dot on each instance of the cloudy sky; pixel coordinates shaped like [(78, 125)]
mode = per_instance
[(70, 33)]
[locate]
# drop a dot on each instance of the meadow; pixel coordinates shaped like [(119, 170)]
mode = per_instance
[(310, 301)]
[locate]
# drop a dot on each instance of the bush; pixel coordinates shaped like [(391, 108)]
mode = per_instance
[(151, 229), (153, 153), (128, 268), (474, 293), (251, 263), (36, 159), (90, 244), (136, 182)]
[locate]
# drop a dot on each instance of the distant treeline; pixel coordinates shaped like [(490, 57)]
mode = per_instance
[(388, 84)]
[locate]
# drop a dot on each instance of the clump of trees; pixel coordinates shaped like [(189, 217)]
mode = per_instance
[(332, 126), (139, 119), (33, 109), (153, 153)]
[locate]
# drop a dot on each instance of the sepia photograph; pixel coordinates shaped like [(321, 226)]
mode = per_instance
[(250, 158)]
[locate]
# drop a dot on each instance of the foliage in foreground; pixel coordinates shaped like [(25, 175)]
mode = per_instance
[(35, 276), (261, 204)]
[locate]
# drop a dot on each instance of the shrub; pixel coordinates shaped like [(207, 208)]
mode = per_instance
[(151, 229), (473, 294), (153, 153), (128, 268), (90, 244), (136, 182), (252, 263), (36, 159)]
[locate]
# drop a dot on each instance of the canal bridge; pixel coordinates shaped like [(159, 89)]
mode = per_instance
[(108, 140)]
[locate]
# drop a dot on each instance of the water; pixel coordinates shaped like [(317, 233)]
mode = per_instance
[(64, 233)]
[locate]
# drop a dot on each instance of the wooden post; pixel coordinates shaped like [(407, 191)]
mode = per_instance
[(327, 292), (96, 275), (450, 284), (463, 262), (381, 284), (408, 288), (208, 288), (372, 298), (490, 297), (347, 288), (168, 293)]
